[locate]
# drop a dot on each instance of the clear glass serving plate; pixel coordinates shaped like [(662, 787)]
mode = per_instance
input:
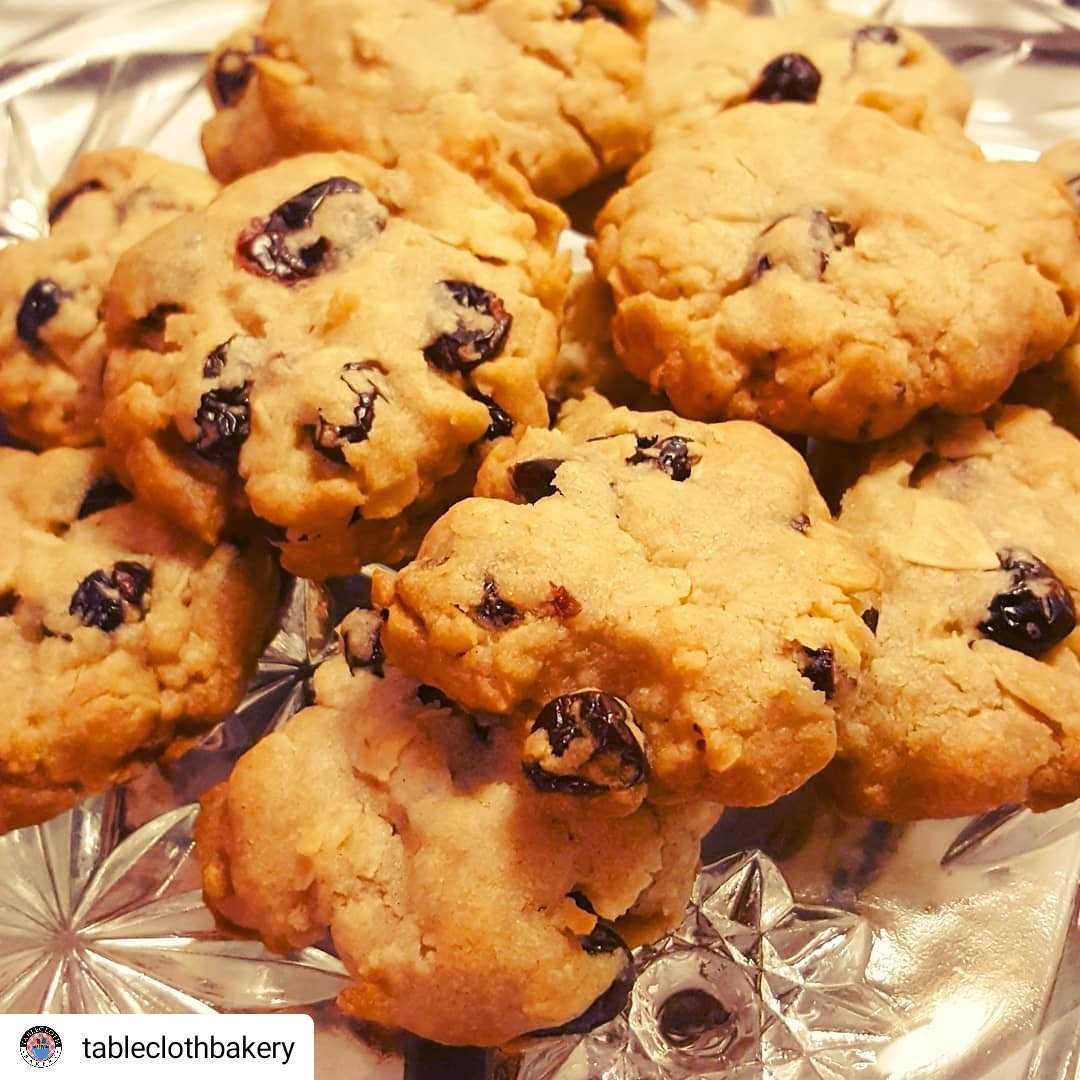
[(815, 946)]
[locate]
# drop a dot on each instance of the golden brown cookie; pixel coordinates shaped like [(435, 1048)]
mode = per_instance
[(331, 346), (666, 606), (52, 339), (466, 906), (124, 640), (973, 698), (826, 271), (552, 86)]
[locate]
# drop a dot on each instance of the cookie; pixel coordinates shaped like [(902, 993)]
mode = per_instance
[(331, 346), (52, 341), (124, 640), (1056, 386), (465, 907), (973, 697), (828, 272), (666, 605), (701, 66), (553, 86)]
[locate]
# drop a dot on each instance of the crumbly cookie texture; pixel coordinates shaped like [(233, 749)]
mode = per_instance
[(1056, 386), (675, 593), (698, 67), (973, 698), (124, 640), (332, 345), (52, 340), (829, 272), (467, 907), (552, 86), (587, 359)]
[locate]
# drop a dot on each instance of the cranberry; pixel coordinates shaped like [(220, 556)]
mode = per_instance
[(224, 420), (39, 305), (1036, 612), (818, 668), (102, 600), (790, 77), (493, 611), (609, 749), (671, 455), (480, 335), (269, 247), (535, 480), (232, 73)]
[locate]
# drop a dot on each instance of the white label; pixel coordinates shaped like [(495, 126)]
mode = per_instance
[(210, 1047)]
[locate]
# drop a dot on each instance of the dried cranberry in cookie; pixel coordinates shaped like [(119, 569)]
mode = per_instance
[(791, 77)]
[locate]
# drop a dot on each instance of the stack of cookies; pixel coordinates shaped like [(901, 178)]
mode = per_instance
[(612, 596)]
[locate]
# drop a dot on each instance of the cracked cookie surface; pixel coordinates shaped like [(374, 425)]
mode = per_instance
[(332, 346), (52, 338), (828, 272), (635, 578), (973, 698), (466, 906), (553, 86), (700, 66), (124, 640)]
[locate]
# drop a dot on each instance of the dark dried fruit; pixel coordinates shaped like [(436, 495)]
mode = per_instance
[(612, 1001), (9, 601), (801, 524), (878, 34), (585, 743), (60, 207), (216, 360), (224, 420), (493, 611), (562, 604), (330, 439), (433, 697), (671, 455), (265, 248), (1036, 612), (784, 244), (502, 423), (103, 600), (480, 334), (871, 616), (362, 643), (232, 73), (535, 480), (790, 77), (689, 1015), (818, 667), (587, 10), (39, 305), (105, 493)]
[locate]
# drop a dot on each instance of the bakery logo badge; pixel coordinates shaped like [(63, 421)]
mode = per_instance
[(40, 1047)]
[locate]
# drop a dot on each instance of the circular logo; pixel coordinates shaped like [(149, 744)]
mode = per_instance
[(40, 1047)]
